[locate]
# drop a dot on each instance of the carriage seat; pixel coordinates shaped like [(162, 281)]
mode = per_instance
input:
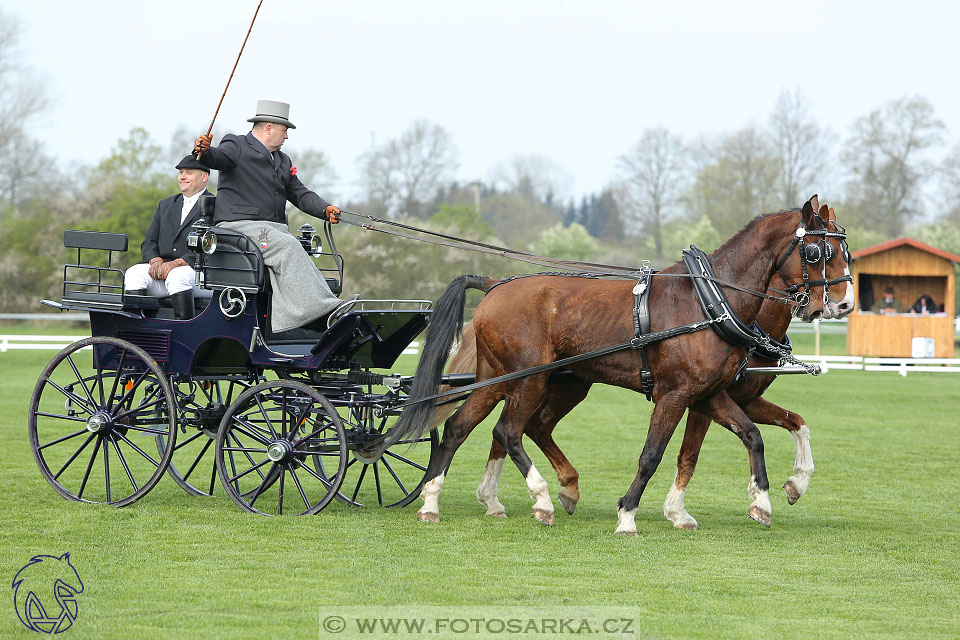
[(237, 262)]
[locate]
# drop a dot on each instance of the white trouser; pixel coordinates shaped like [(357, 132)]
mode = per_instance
[(179, 279)]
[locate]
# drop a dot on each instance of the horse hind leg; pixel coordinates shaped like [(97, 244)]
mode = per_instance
[(765, 412), (487, 491), (456, 429), (693, 435)]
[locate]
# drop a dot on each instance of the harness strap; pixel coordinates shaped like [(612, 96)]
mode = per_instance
[(641, 326), (636, 343)]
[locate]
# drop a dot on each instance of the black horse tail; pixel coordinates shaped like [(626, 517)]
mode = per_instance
[(446, 324)]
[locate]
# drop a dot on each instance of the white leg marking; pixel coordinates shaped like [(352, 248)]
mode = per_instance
[(431, 495), (487, 491), (626, 523), (539, 491), (760, 507), (803, 465), (674, 510)]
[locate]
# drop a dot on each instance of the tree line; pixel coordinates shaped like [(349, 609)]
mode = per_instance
[(668, 192)]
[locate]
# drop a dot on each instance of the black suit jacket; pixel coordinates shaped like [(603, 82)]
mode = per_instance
[(251, 187), (165, 236)]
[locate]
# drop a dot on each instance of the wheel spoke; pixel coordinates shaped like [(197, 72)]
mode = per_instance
[(296, 481), (123, 461), (116, 378), (239, 425), (313, 473), (74, 456), (256, 468), (106, 469), (199, 456), (213, 477), (189, 440), (263, 412), (59, 440), (83, 384), (131, 392), (70, 395), (138, 449), (262, 486), (395, 476), (356, 489), (404, 460), (280, 498), (245, 453), (376, 477), (86, 476)]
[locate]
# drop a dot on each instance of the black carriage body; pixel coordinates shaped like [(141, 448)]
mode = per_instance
[(205, 380)]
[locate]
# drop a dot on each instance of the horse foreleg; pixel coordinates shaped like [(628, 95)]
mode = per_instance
[(560, 400), (765, 412), (693, 435), (487, 491), (455, 430), (727, 413), (663, 421)]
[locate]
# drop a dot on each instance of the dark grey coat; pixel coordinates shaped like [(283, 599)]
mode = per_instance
[(166, 237), (250, 187)]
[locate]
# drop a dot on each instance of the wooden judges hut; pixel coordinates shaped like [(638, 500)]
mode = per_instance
[(912, 269)]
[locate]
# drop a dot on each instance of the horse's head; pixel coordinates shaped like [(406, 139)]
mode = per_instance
[(815, 265)]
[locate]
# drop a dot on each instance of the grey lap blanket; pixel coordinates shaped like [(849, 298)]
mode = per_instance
[(300, 292)]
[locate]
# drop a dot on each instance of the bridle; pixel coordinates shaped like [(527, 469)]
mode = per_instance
[(813, 253)]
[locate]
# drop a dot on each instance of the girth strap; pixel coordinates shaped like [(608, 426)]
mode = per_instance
[(641, 326)]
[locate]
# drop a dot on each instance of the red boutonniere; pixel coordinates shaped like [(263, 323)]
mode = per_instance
[(293, 171)]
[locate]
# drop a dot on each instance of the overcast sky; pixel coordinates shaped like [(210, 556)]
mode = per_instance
[(577, 81)]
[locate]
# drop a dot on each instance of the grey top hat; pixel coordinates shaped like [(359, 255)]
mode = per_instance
[(189, 162), (272, 111)]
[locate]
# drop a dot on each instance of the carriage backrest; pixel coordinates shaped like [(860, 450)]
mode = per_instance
[(237, 262)]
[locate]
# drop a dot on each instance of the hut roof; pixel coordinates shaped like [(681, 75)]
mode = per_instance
[(897, 242)]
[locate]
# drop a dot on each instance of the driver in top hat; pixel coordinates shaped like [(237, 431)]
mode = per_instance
[(255, 183)]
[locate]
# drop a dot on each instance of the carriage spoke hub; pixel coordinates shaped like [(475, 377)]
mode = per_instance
[(99, 422), (280, 451)]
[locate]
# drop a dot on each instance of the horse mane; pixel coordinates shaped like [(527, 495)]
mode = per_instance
[(750, 225)]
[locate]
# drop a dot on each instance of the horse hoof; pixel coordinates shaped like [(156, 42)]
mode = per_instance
[(686, 526), (497, 514), (625, 533), (546, 517), (569, 504), (761, 516), (424, 516), (793, 494)]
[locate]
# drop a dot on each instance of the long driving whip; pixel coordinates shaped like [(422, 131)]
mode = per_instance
[(210, 128)]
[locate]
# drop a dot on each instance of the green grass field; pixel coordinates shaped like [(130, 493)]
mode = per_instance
[(870, 551)]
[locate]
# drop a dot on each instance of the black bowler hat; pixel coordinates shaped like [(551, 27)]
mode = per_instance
[(189, 162)]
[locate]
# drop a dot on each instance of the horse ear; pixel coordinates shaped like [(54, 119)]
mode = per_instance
[(824, 211), (815, 202), (808, 212), (831, 215)]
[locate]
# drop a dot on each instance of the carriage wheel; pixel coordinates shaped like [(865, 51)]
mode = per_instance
[(269, 444), (393, 479), (89, 424), (201, 406)]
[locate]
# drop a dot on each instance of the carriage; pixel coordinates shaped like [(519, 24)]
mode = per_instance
[(287, 420)]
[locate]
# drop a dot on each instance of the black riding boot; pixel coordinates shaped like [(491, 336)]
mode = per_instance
[(182, 304)]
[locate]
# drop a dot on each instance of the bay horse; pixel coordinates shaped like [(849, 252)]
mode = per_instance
[(538, 320)]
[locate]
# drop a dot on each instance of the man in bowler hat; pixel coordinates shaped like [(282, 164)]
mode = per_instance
[(255, 183), (168, 266)]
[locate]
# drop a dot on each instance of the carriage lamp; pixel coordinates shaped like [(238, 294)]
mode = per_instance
[(201, 238), (309, 239)]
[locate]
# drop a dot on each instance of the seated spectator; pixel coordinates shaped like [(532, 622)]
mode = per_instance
[(889, 304), (924, 304)]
